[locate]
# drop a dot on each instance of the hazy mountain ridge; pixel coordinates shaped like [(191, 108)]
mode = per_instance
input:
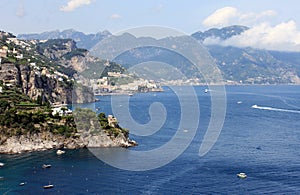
[(83, 40), (223, 33), (251, 65), (238, 65)]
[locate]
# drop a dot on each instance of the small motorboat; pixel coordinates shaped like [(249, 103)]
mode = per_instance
[(46, 166), (60, 152), (22, 183), (48, 186), (206, 90), (1, 164), (242, 175)]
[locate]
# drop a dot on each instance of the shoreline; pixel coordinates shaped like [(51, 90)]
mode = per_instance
[(45, 141)]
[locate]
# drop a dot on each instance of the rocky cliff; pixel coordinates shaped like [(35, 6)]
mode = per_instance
[(44, 70), (46, 141), (36, 85), (34, 74)]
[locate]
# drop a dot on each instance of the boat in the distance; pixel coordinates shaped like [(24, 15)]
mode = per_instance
[(242, 175), (1, 164), (59, 152), (48, 186), (46, 166), (22, 183)]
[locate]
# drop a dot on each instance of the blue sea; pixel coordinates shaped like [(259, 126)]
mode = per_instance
[(262, 141)]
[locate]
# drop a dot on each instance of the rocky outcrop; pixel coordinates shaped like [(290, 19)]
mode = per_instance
[(82, 94), (54, 49), (47, 141), (36, 85)]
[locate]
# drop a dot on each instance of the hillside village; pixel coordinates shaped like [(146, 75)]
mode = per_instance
[(38, 79), (56, 62)]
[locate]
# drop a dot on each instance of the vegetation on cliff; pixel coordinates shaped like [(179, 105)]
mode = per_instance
[(21, 115), (35, 77), (89, 121)]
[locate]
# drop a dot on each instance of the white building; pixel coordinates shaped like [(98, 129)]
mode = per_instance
[(61, 111)]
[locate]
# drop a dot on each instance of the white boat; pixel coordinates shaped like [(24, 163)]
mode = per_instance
[(1, 164), (242, 175), (206, 90), (46, 166), (48, 186), (59, 152), (22, 183)]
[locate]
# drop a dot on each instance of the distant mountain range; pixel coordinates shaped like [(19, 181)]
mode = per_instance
[(251, 65), (223, 33), (86, 41), (238, 65)]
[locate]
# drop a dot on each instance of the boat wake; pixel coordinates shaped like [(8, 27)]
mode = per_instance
[(275, 109), (291, 102)]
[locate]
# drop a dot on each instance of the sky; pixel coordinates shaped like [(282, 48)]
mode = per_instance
[(274, 23)]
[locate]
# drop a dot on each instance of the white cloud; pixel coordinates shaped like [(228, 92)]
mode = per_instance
[(283, 37), (115, 16), (221, 17), (74, 4), (231, 16)]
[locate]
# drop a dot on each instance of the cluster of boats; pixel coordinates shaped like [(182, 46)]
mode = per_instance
[(47, 166), (44, 166)]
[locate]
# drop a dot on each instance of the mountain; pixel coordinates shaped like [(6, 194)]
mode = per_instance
[(237, 65), (44, 70), (223, 33), (253, 66), (132, 52), (37, 79), (250, 65), (86, 41), (291, 58)]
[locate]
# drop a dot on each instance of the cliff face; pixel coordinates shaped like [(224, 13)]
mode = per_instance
[(37, 72), (44, 70), (55, 49), (36, 85)]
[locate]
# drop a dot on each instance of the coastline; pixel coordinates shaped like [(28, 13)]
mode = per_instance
[(47, 141)]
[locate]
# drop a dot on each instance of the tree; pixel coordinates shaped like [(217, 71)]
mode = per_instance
[(4, 105)]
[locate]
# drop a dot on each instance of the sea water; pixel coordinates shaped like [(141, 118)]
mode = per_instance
[(262, 141)]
